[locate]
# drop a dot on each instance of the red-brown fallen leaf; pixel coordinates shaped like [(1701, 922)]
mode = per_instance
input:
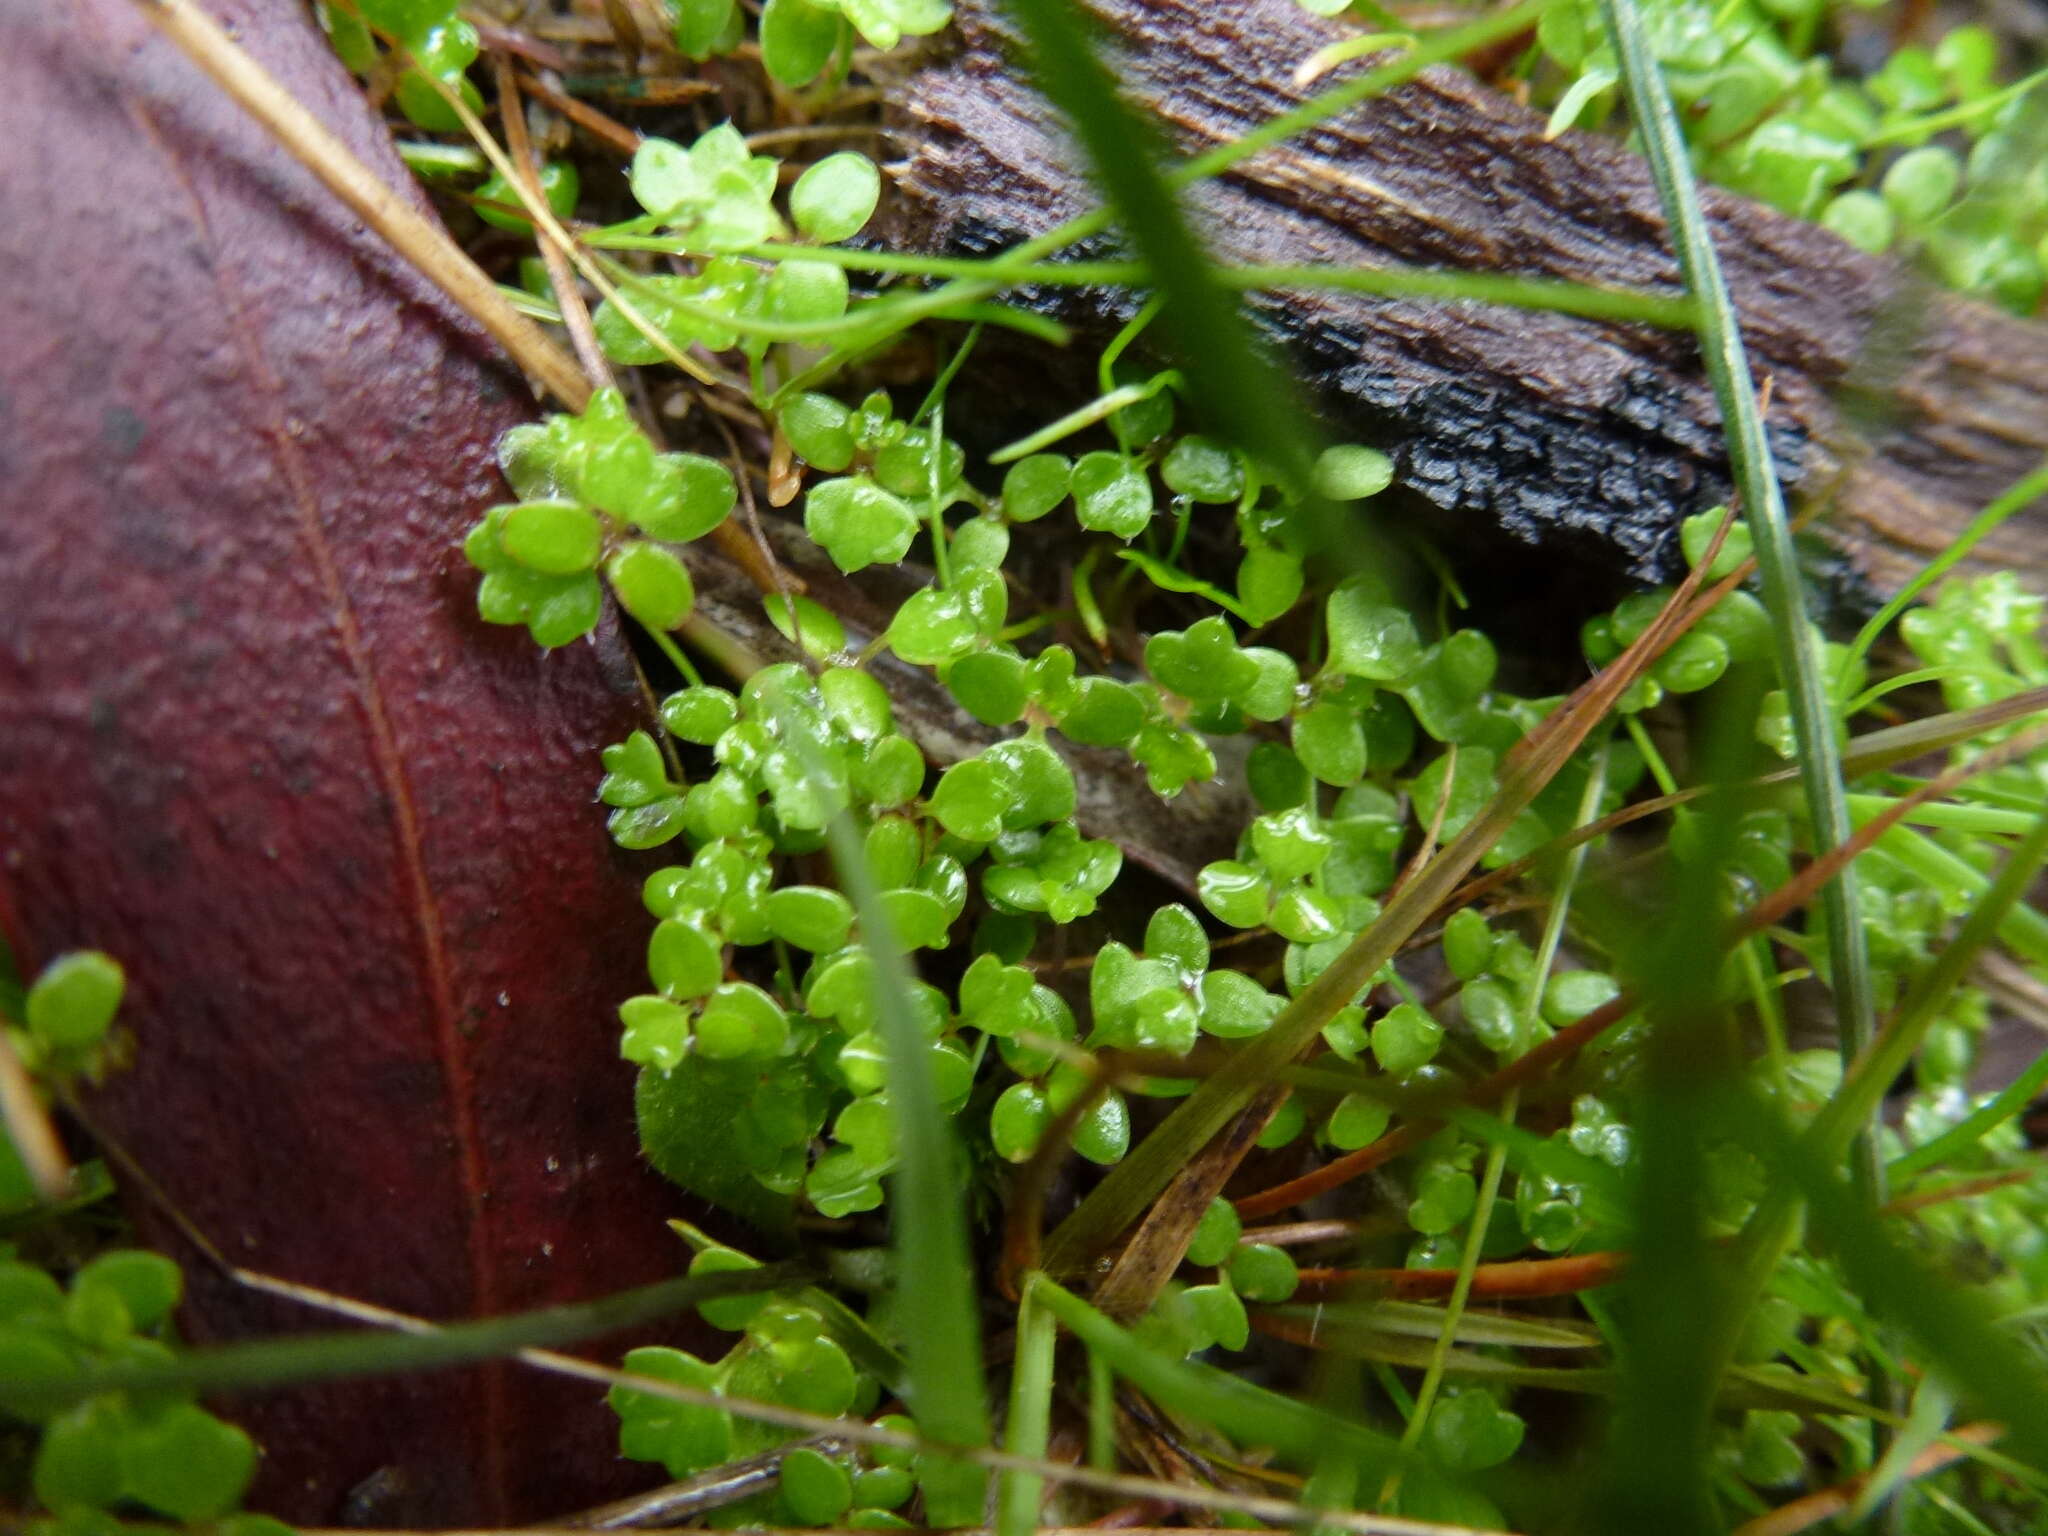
[(254, 742)]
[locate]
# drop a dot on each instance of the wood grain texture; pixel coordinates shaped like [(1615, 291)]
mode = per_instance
[(254, 742), (1897, 411)]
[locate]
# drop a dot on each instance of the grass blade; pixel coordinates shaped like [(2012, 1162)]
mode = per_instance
[(1249, 1415), (1798, 651), (1952, 1325), (1232, 383), (928, 1213), (300, 1358), (1030, 1412)]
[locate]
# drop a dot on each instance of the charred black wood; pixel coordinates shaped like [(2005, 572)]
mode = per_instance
[(1896, 411)]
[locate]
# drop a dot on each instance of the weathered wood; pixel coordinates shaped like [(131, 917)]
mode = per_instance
[(1896, 410)]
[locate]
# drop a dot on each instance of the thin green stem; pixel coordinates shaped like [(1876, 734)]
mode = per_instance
[(676, 656), (1030, 1412), (1440, 49), (928, 1210), (301, 1358), (2025, 491), (1086, 416), (1102, 1412), (1797, 646), (1497, 1151), (2009, 1101)]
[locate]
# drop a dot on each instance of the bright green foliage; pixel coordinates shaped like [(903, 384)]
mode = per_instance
[(1405, 1038), (1367, 731), (436, 44), (859, 523), (1216, 1235), (835, 197), (161, 1454), (1112, 495), (585, 481), (817, 1488), (683, 1437), (1470, 1431), (713, 193), (1261, 1272), (1770, 119), (497, 202), (1202, 471), (1352, 473), (72, 1003), (1033, 487)]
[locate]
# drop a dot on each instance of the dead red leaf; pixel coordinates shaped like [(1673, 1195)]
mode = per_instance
[(254, 742)]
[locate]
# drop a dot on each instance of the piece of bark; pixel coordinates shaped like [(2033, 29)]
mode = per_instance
[(1896, 410), (255, 743)]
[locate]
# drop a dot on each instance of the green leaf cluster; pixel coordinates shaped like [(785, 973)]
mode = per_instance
[(1875, 158), (156, 1453), (595, 497)]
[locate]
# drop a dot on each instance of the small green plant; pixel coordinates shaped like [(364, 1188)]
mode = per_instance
[(1063, 1006), (431, 44), (912, 987), (158, 1454), (1931, 153)]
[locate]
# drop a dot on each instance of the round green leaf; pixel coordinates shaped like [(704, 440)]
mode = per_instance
[(657, 1032), (932, 627), (858, 523), (1234, 1006), (1216, 1234), (797, 39), (701, 714), (810, 917), (1018, 1120), (79, 1459), (1112, 495), (740, 1020), (1329, 739), (187, 1464), (1033, 487), (74, 1000), (818, 428), (1262, 1272), (555, 538), (890, 773), (705, 27), (1104, 713), (1357, 1121), (835, 197), (683, 960), (684, 498), (1468, 943), (972, 798), (1104, 1134), (805, 292), (1269, 582), (1351, 473), (817, 1488), (732, 1313), (651, 584), (1202, 470), (1405, 1038), (148, 1284), (1370, 637), (1236, 893), (990, 685)]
